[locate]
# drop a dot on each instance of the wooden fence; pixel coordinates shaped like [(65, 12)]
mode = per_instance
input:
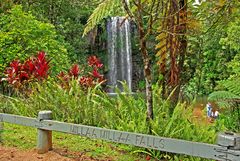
[(227, 147)]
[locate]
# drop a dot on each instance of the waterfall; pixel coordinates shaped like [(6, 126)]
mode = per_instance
[(119, 52)]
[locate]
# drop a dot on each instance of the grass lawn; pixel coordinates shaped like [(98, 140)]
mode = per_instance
[(25, 138)]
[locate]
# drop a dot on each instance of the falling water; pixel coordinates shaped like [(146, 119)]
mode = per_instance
[(119, 52)]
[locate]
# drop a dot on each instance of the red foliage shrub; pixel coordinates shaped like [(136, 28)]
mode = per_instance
[(86, 79), (41, 66), (64, 78), (18, 74), (74, 71), (94, 62)]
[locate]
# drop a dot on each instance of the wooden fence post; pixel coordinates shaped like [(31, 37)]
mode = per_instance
[(44, 140), (229, 140), (1, 129)]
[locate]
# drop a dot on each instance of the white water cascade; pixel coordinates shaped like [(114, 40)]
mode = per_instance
[(119, 52)]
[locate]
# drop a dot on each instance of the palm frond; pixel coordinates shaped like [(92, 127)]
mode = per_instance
[(104, 9)]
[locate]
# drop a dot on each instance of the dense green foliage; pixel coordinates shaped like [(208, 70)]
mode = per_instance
[(69, 18), (21, 36), (227, 95), (210, 57), (96, 108), (212, 46)]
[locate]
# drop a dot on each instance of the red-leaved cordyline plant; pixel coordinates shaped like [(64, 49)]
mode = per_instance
[(19, 74), (86, 79), (74, 71), (64, 78), (94, 62), (41, 66)]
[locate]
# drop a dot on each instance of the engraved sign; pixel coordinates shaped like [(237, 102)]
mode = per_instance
[(1, 127), (1, 118), (118, 136)]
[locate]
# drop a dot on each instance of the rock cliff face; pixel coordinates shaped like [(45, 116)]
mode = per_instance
[(137, 74), (137, 62)]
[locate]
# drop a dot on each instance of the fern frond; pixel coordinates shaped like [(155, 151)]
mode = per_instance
[(233, 86), (104, 9), (223, 104), (227, 98), (222, 95)]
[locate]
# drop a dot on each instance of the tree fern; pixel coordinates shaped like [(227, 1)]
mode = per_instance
[(222, 95), (228, 97), (168, 42), (104, 9), (233, 86)]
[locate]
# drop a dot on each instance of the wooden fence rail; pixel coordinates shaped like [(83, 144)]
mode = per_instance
[(227, 147)]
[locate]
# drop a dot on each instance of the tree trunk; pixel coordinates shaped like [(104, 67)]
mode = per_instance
[(148, 78), (147, 73), (146, 61)]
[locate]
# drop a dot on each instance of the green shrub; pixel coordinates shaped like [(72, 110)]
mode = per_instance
[(124, 112), (21, 36)]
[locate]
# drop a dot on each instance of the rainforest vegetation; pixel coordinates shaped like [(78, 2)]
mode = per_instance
[(53, 56)]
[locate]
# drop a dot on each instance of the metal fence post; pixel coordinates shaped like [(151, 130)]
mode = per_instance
[(44, 140), (231, 141)]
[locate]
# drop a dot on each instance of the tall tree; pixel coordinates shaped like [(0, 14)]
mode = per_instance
[(144, 31)]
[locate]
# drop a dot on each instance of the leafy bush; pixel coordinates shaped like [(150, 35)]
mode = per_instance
[(21, 35), (124, 112)]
